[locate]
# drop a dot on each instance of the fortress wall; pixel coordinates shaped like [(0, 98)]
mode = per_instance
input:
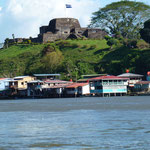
[(47, 37), (95, 33), (43, 29), (67, 22)]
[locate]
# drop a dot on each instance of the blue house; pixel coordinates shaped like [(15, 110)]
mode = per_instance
[(108, 86)]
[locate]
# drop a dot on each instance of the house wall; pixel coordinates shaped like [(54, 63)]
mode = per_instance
[(132, 82), (141, 87), (86, 89), (22, 84), (3, 85), (109, 86), (71, 91)]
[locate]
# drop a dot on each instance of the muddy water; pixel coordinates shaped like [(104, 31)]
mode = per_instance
[(116, 123)]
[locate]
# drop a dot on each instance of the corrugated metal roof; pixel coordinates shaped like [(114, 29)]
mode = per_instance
[(36, 81), (128, 75), (56, 81), (108, 78), (18, 77), (143, 82), (44, 75), (75, 85), (59, 86), (3, 78)]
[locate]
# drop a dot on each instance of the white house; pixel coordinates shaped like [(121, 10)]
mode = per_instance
[(77, 89), (4, 84), (133, 78)]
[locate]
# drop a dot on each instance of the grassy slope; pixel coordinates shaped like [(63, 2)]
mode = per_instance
[(90, 56), (14, 51)]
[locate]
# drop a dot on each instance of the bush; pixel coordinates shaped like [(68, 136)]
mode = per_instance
[(141, 44), (112, 41), (130, 43)]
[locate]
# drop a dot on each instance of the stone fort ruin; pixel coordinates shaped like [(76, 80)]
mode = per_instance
[(65, 28)]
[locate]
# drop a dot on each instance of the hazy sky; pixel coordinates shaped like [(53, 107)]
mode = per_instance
[(24, 17)]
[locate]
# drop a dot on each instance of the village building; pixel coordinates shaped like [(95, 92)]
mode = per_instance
[(4, 86), (44, 77), (34, 88), (142, 86), (46, 88), (4, 83), (18, 85), (77, 89), (133, 78), (54, 88), (108, 86), (85, 78)]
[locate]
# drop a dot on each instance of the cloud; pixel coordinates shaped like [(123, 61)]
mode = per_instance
[(24, 17)]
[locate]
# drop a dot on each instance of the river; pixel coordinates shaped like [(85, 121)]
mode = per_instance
[(90, 123)]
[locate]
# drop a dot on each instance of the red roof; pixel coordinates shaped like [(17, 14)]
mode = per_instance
[(108, 78), (59, 86), (3, 78), (143, 82), (75, 85), (56, 81)]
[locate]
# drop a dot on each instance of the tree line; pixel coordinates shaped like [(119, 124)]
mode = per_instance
[(123, 21)]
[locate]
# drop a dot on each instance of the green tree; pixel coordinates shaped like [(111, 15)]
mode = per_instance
[(111, 41), (145, 32), (124, 18), (52, 61)]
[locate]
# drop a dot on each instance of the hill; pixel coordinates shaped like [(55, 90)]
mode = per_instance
[(72, 58)]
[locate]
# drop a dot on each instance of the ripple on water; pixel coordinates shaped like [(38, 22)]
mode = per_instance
[(59, 145)]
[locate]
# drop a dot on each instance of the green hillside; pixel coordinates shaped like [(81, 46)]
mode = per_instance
[(72, 58)]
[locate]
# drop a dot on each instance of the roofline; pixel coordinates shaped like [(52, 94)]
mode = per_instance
[(40, 75)]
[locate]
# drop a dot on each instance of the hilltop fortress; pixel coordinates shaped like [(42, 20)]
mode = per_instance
[(64, 28)]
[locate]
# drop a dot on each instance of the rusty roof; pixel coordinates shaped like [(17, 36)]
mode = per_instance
[(111, 77), (143, 82), (75, 85)]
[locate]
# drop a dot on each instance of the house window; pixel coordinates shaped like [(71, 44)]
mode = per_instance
[(98, 87), (22, 83), (66, 32)]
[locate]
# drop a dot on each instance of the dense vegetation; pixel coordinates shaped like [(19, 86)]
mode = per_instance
[(73, 58), (123, 18), (145, 32), (122, 49)]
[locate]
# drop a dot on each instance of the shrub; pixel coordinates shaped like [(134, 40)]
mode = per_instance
[(141, 44), (132, 44), (112, 41)]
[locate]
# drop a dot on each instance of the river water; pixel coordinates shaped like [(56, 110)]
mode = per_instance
[(91, 123)]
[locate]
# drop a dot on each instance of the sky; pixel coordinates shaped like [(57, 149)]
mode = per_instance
[(24, 17)]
